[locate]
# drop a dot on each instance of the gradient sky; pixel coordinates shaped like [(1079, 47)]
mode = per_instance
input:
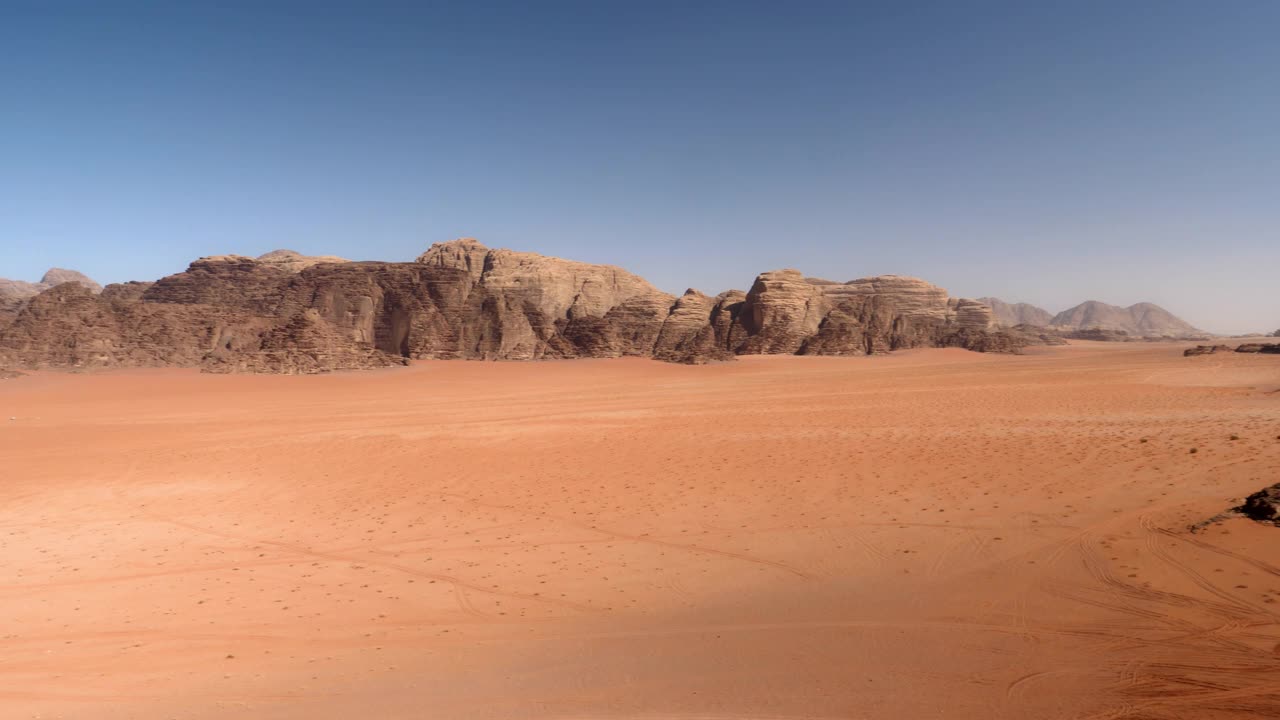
[(1035, 151)]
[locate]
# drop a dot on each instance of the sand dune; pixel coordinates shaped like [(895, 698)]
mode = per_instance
[(924, 535)]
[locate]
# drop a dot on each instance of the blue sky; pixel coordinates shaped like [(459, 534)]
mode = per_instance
[(1040, 152)]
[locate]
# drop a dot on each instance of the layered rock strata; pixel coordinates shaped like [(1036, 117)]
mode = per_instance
[(288, 313)]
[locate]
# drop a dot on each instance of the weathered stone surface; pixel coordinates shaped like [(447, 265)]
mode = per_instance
[(15, 293), (128, 291), (1269, 348), (1205, 350), (295, 261), (1099, 334), (688, 333), (539, 303), (1036, 335), (284, 312), (69, 326), (787, 313), (1263, 505)]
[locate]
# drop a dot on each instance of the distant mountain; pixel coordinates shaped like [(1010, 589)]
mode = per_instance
[(1011, 314), (1143, 319), (1140, 320), (15, 293)]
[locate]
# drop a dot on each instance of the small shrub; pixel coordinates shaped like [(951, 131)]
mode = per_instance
[(1235, 437), (1193, 451)]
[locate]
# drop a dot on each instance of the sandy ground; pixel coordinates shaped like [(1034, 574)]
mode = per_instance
[(935, 534)]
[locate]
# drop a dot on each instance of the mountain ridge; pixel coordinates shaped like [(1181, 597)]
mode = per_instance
[(285, 312), (1143, 319)]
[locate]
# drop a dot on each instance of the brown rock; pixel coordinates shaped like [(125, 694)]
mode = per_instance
[(1205, 350), (1098, 334), (1269, 348), (1140, 320), (689, 333), (1263, 505), (15, 293), (284, 312), (1036, 335), (295, 261)]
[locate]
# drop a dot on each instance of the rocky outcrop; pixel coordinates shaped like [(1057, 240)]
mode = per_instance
[(284, 312), (292, 261), (15, 293), (1097, 334), (1014, 314), (536, 306), (1263, 506), (1268, 348), (1205, 350), (1037, 335), (689, 333), (787, 313)]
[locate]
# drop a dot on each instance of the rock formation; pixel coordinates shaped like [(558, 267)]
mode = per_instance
[(1095, 333), (15, 293), (1037, 335), (1263, 505), (284, 312), (1142, 319), (1013, 314), (1205, 350), (1268, 348)]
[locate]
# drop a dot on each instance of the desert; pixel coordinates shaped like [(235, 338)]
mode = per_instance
[(929, 533), (719, 360)]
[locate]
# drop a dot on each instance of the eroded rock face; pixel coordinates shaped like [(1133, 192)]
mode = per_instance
[(1205, 350), (1098, 334), (1268, 348), (14, 294), (284, 312), (1263, 505), (787, 313)]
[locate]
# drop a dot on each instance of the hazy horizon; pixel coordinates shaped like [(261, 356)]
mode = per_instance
[(1035, 154)]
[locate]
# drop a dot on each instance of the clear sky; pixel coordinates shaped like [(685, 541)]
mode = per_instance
[(1036, 151)]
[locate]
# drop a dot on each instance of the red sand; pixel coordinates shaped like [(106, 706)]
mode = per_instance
[(935, 534)]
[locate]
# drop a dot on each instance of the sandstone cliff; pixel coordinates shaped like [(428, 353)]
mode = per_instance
[(283, 312)]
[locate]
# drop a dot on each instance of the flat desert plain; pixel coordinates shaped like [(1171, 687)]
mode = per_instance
[(932, 534)]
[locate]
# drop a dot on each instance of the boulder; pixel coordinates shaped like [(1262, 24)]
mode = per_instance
[(1263, 505), (1205, 350), (1267, 348)]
